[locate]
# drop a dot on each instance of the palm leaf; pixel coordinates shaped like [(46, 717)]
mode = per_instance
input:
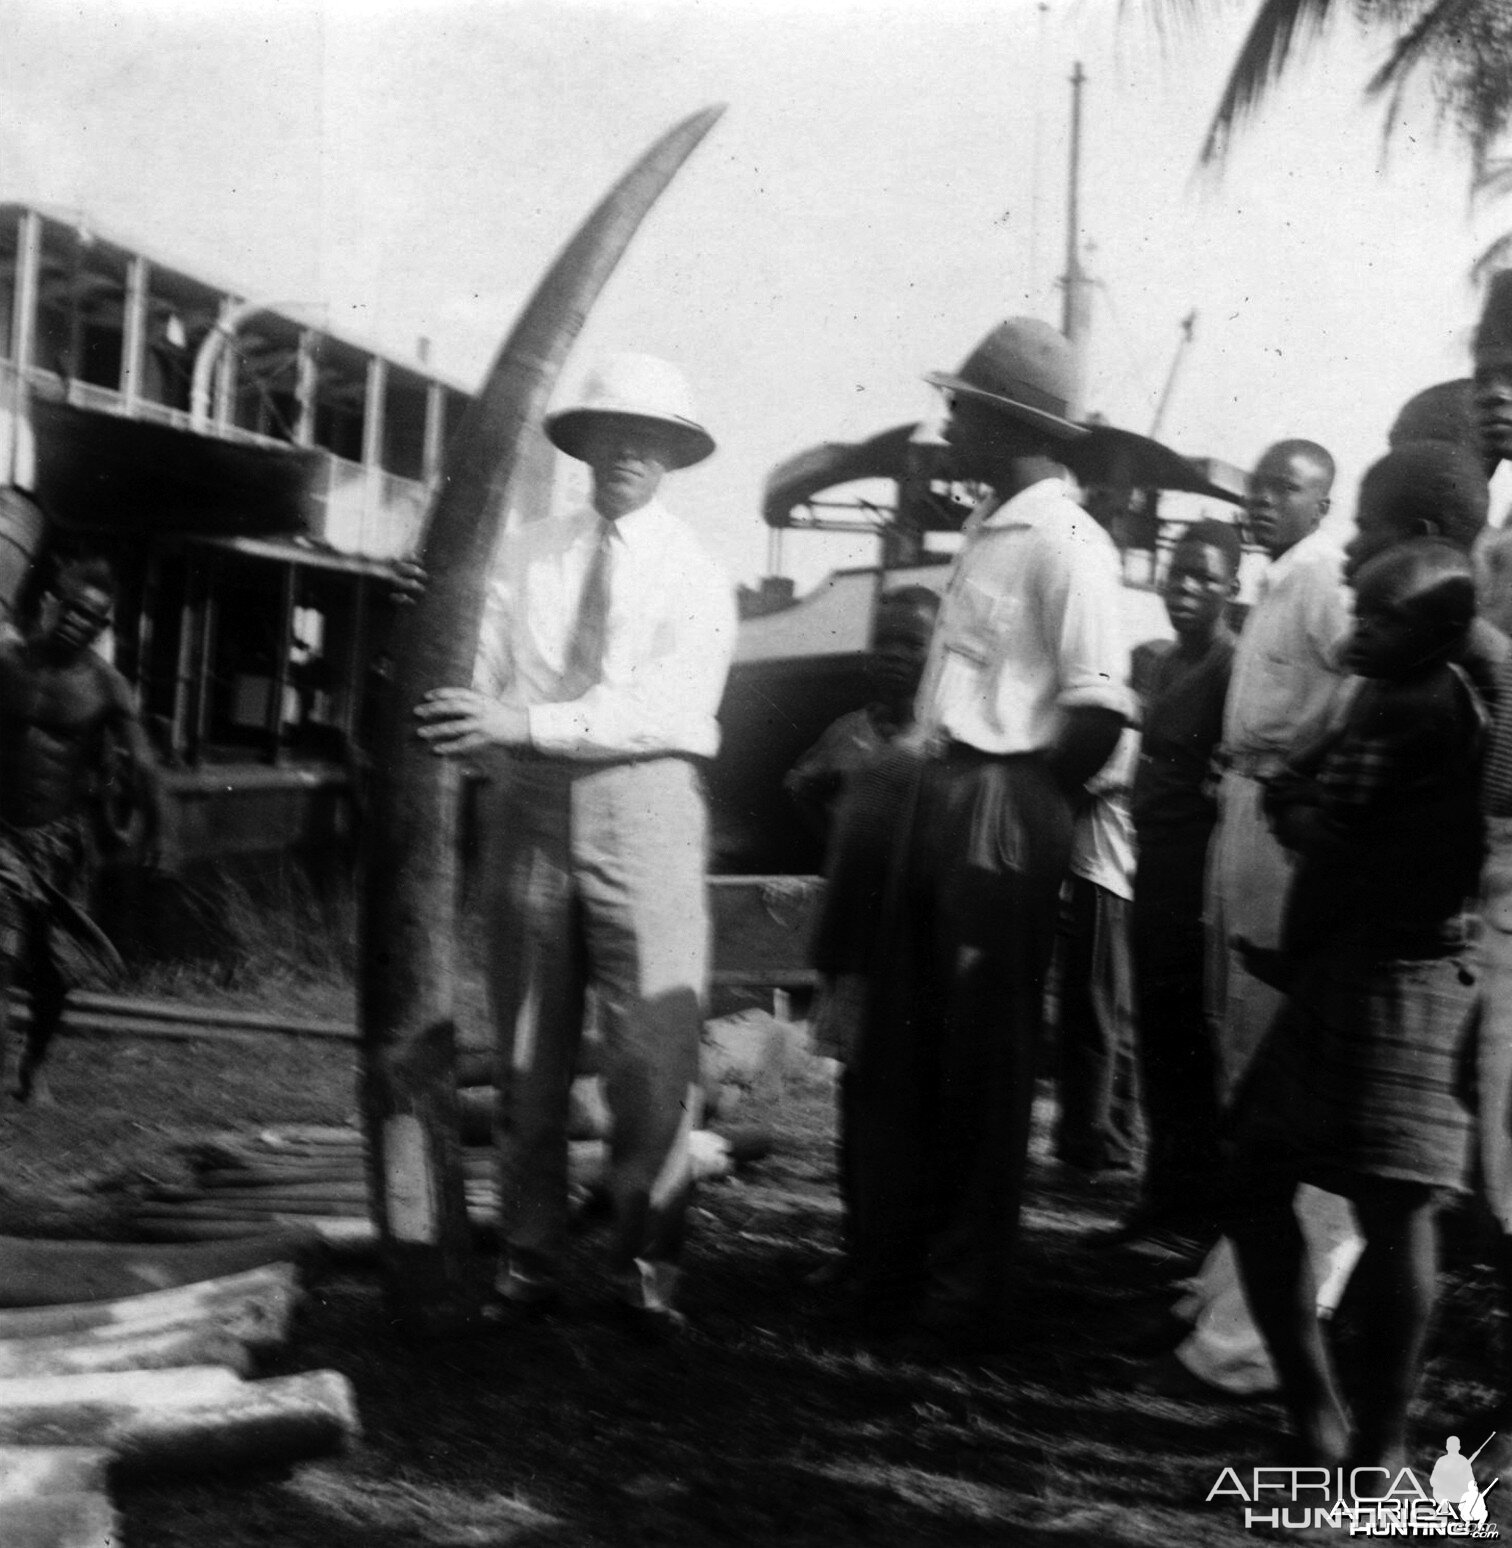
[(1279, 29), (1494, 180), (1426, 42), (1498, 255)]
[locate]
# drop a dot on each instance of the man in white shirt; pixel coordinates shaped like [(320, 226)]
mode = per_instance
[(1022, 702), (604, 658), (1286, 682)]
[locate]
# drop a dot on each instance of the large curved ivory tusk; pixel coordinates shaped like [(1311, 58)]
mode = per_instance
[(410, 886)]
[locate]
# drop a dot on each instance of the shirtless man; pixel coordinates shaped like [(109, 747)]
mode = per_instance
[(66, 715)]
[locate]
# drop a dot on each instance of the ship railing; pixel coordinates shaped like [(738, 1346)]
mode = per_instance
[(364, 510)]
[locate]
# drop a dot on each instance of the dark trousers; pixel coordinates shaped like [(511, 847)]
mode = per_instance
[(1177, 1061), (943, 1082), (1098, 1125)]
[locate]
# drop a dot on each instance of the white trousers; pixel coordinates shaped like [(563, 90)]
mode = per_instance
[(1248, 877)]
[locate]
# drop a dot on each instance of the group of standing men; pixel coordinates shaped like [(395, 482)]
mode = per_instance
[(603, 670), (604, 666)]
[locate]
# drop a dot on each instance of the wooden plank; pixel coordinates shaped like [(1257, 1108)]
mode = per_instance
[(30, 1472), (52, 1273), (255, 1306), (80, 1520)]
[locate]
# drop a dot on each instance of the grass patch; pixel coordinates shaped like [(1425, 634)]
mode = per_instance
[(774, 1426)]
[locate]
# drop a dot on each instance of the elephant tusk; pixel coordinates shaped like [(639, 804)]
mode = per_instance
[(410, 884)]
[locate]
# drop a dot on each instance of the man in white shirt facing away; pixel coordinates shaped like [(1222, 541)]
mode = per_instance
[(604, 657), (1022, 701)]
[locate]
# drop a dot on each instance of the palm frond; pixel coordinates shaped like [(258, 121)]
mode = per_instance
[(1280, 27), (1423, 41), (1498, 255), (1494, 179)]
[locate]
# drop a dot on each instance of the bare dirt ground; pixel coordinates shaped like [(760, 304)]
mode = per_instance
[(772, 1426)]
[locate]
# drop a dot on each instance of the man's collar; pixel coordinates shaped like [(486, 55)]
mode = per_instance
[(1028, 508), (633, 527), (1299, 554)]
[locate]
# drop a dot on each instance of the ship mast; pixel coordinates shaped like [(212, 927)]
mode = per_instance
[(1075, 285)]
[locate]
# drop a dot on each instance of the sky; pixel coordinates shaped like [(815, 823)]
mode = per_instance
[(888, 181)]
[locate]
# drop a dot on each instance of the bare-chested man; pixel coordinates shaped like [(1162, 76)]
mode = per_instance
[(66, 715)]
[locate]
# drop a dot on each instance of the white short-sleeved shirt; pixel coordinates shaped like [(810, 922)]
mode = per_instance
[(1287, 675), (1030, 625), (669, 638)]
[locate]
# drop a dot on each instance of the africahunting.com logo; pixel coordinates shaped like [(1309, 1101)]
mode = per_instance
[(1367, 1501)]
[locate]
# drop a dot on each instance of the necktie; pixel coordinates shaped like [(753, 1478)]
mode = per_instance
[(585, 650)]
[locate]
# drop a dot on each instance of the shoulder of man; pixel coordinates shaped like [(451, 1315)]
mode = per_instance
[(1071, 534), (113, 682), (1318, 560), (693, 562)]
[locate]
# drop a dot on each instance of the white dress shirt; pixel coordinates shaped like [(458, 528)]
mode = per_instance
[(1030, 626), (668, 643), (1287, 675)]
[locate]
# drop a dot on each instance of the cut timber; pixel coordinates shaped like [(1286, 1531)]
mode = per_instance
[(61, 1521), (212, 1208), (161, 1231), (29, 1472), (254, 1306), (104, 1349), (193, 1420), (343, 1188), (53, 1273), (321, 1136), (174, 1010), (277, 1422), (409, 892)]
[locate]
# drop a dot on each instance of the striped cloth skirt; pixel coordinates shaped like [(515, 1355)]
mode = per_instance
[(1368, 1072)]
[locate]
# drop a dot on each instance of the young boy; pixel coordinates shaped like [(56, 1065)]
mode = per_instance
[(1174, 809), (1357, 1087), (1098, 1128), (905, 621), (842, 791)]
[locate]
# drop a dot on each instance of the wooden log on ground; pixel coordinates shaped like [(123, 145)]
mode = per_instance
[(195, 1420), (294, 1187), (104, 1349), (272, 1423), (85, 1520), (85, 1024), (409, 893), (318, 1136), (225, 1177), (255, 1306), (86, 1011), (52, 1273), (154, 1232), (31, 1472), (131, 1007), (246, 1209)]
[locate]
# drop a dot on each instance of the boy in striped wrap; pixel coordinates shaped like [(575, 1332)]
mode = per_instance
[(1358, 1088)]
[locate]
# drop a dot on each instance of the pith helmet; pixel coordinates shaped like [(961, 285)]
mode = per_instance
[(1023, 368), (631, 386)]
